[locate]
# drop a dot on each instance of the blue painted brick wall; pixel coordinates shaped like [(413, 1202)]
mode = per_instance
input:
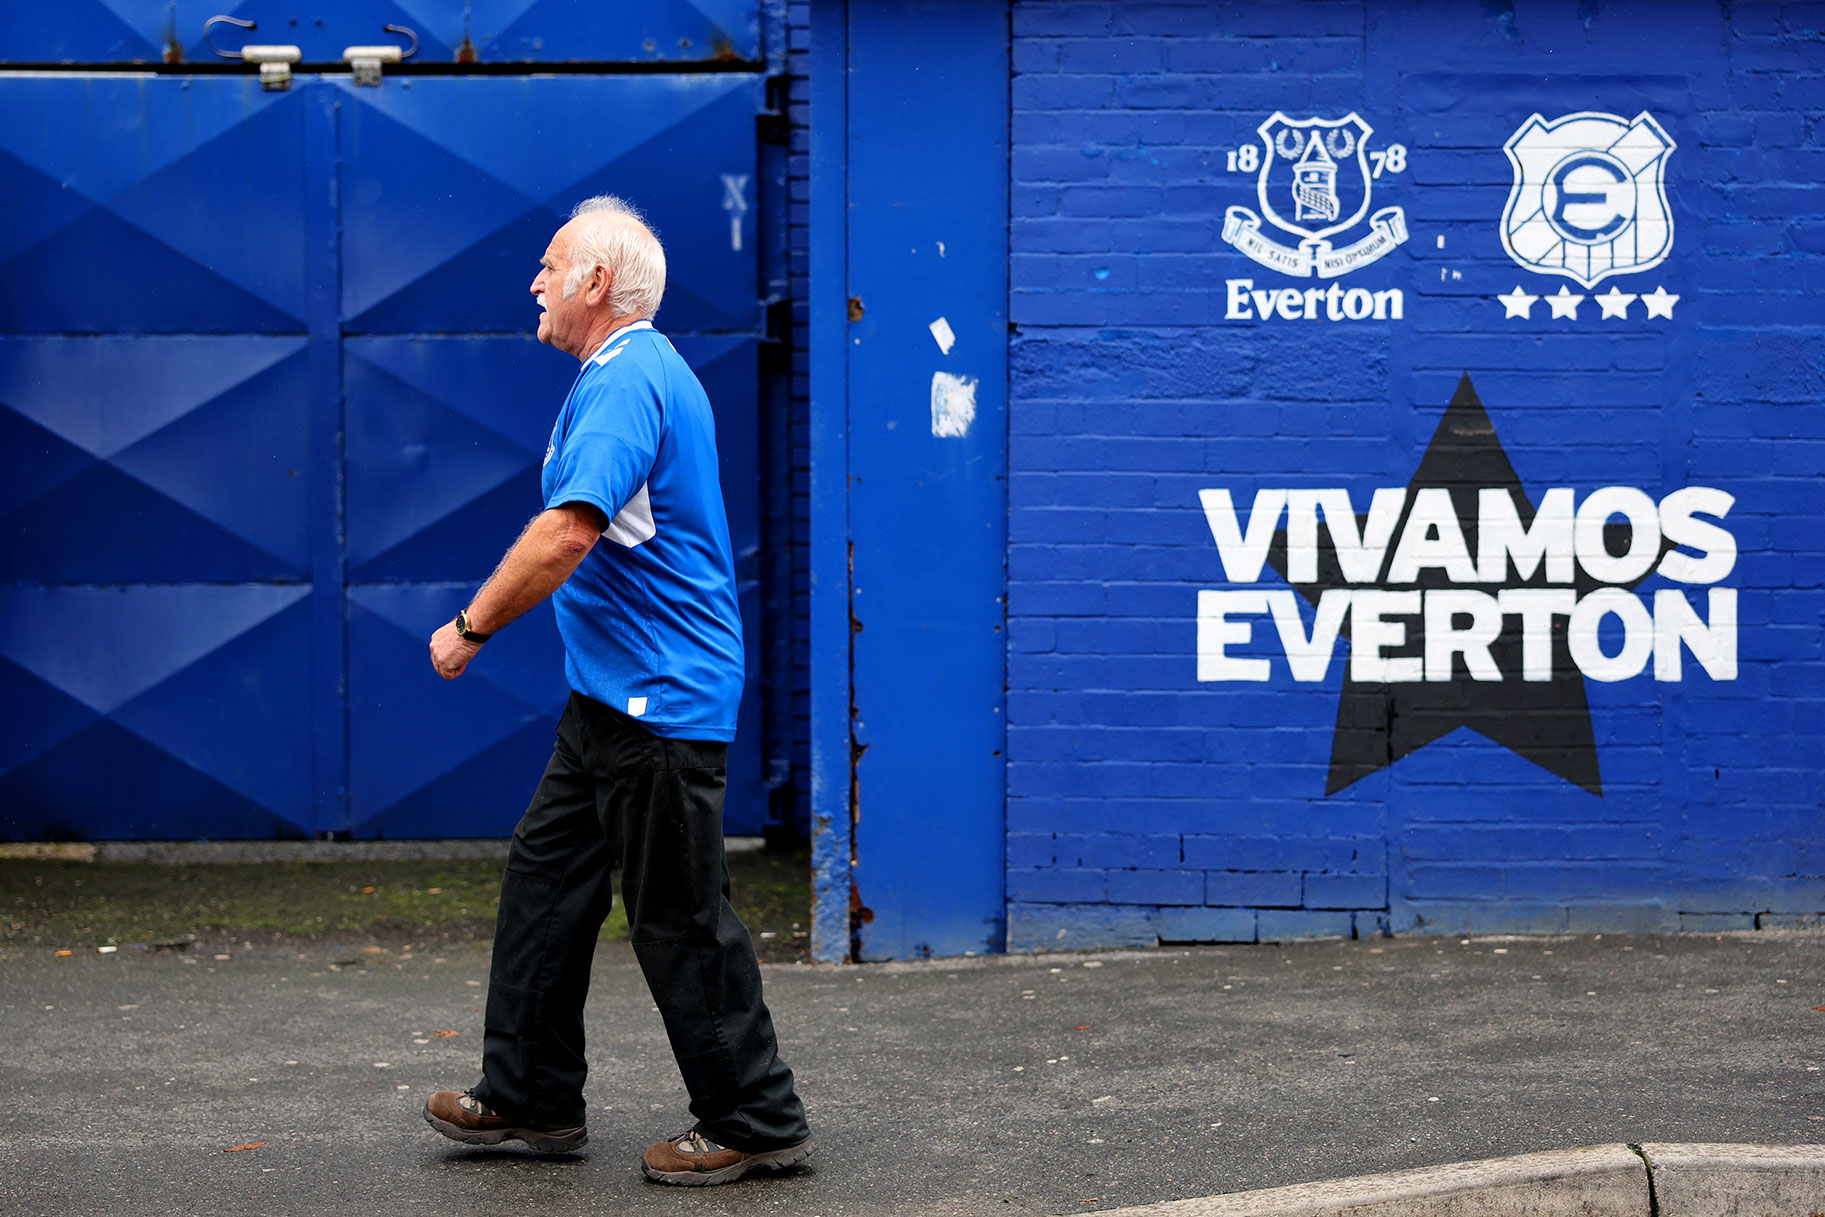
[(1146, 804)]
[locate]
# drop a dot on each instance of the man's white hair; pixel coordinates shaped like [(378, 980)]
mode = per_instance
[(615, 237)]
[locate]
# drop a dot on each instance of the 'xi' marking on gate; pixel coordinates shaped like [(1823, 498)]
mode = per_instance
[(735, 202)]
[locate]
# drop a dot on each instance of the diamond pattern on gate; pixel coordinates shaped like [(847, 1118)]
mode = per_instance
[(447, 207), (128, 205), (445, 438), (658, 29), (116, 31), (174, 459), (164, 453), (154, 712), (446, 435), (459, 755), (153, 449), (451, 193)]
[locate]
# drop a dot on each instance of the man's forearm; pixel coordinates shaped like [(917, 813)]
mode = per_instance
[(553, 545)]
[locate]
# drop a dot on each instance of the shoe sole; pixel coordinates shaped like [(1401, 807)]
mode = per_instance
[(773, 1160), (559, 1141)]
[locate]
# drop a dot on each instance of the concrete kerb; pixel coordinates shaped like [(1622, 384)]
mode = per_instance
[(1737, 1180), (1650, 1180)]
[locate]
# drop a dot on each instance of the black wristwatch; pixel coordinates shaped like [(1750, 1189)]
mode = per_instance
[(462, 628)]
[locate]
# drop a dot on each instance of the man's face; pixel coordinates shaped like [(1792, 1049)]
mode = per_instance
[(562, 323)]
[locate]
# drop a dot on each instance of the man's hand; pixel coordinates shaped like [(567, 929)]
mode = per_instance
[(451, 652), (550, 548)]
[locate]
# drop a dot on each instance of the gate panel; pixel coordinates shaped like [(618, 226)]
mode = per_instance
[(154, 460), (657, 29), (429, 757), (141, 204), (83, 31), (151, 31), (444, 440), (451, 189), (169, 434), (441, 427), (99, 439)]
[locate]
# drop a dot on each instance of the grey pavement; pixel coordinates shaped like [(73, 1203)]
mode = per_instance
[(1029, 1085)]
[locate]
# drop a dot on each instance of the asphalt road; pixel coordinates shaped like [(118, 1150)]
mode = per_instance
[(1040, 1085)]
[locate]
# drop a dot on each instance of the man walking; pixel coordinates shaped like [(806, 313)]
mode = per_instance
[(634, 545)]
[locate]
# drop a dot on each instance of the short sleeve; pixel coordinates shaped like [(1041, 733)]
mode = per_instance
[(607, 452)]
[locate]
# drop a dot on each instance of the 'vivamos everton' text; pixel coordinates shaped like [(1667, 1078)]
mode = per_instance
[(1429, 582)]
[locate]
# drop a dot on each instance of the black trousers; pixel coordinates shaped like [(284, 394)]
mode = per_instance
[(616, 793)]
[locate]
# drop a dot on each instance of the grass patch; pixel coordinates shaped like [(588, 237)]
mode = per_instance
[(64, 905)]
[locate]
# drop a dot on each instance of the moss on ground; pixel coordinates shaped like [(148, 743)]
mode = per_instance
[(65, 905)]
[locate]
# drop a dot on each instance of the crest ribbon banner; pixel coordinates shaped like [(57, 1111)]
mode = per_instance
[(1242, 229)]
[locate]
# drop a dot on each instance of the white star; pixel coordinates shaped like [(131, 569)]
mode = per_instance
[(1660, 303), (1614, 303), (1517, 303), (1563, 303)]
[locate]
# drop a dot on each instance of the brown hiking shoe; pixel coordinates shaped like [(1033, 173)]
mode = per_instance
[(461, 1116), (693, 1160)]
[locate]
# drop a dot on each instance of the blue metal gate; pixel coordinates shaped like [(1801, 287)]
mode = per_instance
[(156, 461), (270, 410), (445, 205)]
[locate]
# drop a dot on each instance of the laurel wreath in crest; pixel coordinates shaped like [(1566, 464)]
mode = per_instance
[(1339, 141)]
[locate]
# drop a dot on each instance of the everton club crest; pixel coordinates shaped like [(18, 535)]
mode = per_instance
[(1589, 197), (1315, 183)]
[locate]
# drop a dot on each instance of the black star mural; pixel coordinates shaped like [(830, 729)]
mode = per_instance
[(1546, 721)]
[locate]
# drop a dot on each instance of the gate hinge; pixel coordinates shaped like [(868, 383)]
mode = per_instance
[(275, 64), (365, 61), (275, 61)]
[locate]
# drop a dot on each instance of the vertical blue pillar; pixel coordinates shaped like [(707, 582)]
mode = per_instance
[(831, 836), (924, 213)]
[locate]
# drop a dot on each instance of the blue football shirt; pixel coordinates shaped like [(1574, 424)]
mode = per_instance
[(650, 622)]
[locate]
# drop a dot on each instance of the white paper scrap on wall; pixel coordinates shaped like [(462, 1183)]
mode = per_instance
[(953, 404), (941, 330)]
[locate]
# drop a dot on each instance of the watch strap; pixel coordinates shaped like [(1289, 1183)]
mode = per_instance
[(462, 628)]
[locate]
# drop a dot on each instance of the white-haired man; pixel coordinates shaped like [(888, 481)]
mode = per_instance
[(653, 652)]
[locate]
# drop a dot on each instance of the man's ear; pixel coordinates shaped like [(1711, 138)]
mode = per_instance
[(599, 283)]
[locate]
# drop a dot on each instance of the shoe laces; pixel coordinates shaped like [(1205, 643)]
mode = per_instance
[(469, 1103), (694, 1142)]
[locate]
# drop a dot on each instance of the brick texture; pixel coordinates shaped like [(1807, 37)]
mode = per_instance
[(1153, 359)]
